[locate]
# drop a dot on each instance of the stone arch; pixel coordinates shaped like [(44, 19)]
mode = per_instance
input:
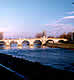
[(25, 43), (2, 43), (12, 43), (61, 41), (50, 41), (37, 43)]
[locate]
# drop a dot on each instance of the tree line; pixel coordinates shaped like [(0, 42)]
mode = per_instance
[(64, 35)]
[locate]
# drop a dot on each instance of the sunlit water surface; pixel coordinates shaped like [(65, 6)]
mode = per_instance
[(55, 57)]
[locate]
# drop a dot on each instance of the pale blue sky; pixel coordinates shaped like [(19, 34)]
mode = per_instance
[(33, 15)]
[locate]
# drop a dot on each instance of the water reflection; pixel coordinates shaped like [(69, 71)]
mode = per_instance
[(2, 44), (25, 44), (55, 57), (37, 44), (13, 44)]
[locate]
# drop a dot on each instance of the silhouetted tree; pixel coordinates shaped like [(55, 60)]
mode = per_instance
[(69, 35), (50, 36), (66, 36), (38, 35), (63, 35)]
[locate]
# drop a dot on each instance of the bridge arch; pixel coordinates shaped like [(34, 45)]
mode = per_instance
[(37, 43), (25, 44), (2, 44), (60, 41), (13, 44), (50, 41)]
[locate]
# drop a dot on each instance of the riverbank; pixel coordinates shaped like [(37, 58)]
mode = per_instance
[(34, 71), (62, 45), (8, 74)]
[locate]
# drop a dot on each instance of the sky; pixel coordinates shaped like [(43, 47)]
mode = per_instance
[(33, 16)]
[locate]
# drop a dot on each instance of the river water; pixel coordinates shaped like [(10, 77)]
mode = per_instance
[(55, 57)]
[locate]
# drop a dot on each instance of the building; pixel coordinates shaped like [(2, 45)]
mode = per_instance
[(1, 35)]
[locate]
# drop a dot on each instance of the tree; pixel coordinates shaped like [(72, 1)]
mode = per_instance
[(69, 35), (38, 35), (66, 36), (63, 35), (50, 36)]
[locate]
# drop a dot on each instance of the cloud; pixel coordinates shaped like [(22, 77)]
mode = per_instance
[(72, 12), (69, 17), (54, 25), (57, 29), (66, 19), (62, 25)]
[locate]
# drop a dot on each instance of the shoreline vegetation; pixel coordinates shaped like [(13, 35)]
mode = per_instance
[(61, 46), (32, 71), (65, 45)]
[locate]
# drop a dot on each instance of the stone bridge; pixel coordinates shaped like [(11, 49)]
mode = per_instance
[(31, 42)]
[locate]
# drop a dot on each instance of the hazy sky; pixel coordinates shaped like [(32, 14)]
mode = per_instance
[(36, 15)]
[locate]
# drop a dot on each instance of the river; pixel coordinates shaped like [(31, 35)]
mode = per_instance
[(55, 57)]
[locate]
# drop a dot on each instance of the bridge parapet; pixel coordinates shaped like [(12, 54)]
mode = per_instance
[(31, 41), (56, 40)]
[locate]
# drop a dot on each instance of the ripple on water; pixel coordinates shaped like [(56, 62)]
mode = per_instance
[(55, 57)]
